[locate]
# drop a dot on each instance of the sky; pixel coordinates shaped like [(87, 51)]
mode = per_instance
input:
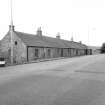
[(82, 19)]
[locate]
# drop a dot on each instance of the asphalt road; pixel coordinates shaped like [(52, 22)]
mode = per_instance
[(71, 81)]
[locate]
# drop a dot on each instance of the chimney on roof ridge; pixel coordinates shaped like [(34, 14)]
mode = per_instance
[(11, 27), (39, 31), (80, 42), (58, 36), (72, 39)]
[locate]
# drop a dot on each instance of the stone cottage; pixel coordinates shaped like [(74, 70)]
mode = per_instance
[(29, 47)]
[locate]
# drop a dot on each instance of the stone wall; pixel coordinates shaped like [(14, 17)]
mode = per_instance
[(19, 48)]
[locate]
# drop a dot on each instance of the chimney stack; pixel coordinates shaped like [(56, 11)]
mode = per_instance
[(58, 36), (72, 39), (80, 42), (11, 27), (39, 32)]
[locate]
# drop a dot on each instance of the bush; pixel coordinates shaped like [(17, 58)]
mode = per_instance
[(103, 48)]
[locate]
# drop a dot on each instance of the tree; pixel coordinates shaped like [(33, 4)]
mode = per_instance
[(103, 48)]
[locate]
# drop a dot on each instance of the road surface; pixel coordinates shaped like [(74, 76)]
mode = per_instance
[(71, 81)]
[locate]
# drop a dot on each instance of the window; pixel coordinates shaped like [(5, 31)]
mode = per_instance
[(61, 52), (36, 52), (49, 51), (15, 42)]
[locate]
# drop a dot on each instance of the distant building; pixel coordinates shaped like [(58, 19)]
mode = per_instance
[(29, 47), (95, 49)]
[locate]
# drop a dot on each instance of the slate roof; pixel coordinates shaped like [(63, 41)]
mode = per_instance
[(44, 41)]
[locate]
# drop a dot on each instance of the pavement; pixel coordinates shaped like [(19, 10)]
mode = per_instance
[(71, 81)]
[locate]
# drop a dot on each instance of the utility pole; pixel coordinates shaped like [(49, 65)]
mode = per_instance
[(88, 34), (11, 33)]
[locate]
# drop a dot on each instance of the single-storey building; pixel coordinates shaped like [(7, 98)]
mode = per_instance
[(29, 47)]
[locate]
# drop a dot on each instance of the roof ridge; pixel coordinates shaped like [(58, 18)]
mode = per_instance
[(25, 33)]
